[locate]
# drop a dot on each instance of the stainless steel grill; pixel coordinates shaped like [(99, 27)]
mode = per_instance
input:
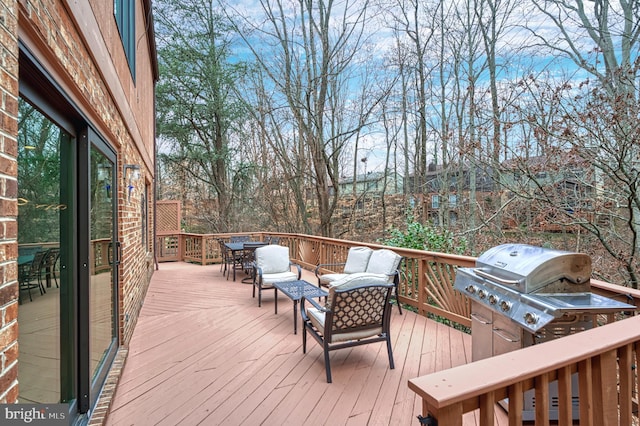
[(523, 295), (533, 286)]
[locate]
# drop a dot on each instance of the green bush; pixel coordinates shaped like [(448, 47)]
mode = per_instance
[(425, 237)]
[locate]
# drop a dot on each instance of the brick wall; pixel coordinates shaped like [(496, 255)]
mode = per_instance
[(123, 116), (8, 202)]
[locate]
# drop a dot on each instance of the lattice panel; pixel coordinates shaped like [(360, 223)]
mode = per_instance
[(360, 307), (168, 216)]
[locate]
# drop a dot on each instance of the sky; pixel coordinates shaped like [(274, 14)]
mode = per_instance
[(513, 63)]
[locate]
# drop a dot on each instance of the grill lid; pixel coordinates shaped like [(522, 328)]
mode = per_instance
[(528, 269)]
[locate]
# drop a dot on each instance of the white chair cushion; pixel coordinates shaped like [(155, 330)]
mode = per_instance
[(357, 260), (383, 261), (328, 279), (278, 277), (355, 280), (361, 278), (273, 259)]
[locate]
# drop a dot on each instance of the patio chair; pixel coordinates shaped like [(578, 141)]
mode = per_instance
[(272, 265), (239, 238), (364, 261), (30, 275), (357, 313), (248, 255), (357, 261)]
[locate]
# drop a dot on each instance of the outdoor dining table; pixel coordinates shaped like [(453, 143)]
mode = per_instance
[(239, 247)]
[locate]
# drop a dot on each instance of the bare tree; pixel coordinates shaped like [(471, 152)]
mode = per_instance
[(409, 18), (599, 119), (307, 51)]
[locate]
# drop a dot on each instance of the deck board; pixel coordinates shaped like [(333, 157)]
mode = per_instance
[(203, 352)]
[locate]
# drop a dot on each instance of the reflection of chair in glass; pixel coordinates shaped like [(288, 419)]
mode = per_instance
[(357, 312), (49, 264), (272, 265), (29, 275)]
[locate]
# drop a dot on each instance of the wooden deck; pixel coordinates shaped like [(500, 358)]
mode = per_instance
[(204, 353)]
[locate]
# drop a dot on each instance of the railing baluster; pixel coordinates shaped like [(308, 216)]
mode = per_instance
[(487, 409), (625, 371), (516, 403), (565, 397), (542, 399), (605, 385), (585, 395)]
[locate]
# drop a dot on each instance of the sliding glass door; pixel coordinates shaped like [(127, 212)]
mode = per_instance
[(102, 277), (68, 257), (45, 311)]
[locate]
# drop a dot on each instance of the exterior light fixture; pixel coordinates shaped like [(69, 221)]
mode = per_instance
[(104, 177), (134, 174)]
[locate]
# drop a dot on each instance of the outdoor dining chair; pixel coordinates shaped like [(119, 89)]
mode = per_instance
[(357, 312), (30, 275), (225, 255)]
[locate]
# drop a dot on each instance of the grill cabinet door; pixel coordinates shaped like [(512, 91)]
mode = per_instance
[(481, 332)]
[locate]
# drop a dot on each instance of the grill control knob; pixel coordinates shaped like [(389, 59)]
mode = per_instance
[(530, 318), (482, 294), (471, 289), (505, 306), (493, 299)]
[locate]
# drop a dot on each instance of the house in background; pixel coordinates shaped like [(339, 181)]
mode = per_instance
[(78, 163), (447, 190), (372, 183)]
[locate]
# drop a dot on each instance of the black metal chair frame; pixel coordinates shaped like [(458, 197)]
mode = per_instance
[(29, 272), (248, 256), (258, 280), (225, 254), (342, 317)]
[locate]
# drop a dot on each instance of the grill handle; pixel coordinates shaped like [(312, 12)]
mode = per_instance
[(505, 335), (496, 279), (480, 318)]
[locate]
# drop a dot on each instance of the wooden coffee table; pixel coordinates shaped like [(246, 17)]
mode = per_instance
[(294, 290)]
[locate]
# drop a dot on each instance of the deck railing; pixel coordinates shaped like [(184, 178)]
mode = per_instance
[(427, 277), (600, 356), (604, 358)]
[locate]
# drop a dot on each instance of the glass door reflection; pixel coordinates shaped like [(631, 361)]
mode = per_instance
[(42, 209), (102, 332)]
